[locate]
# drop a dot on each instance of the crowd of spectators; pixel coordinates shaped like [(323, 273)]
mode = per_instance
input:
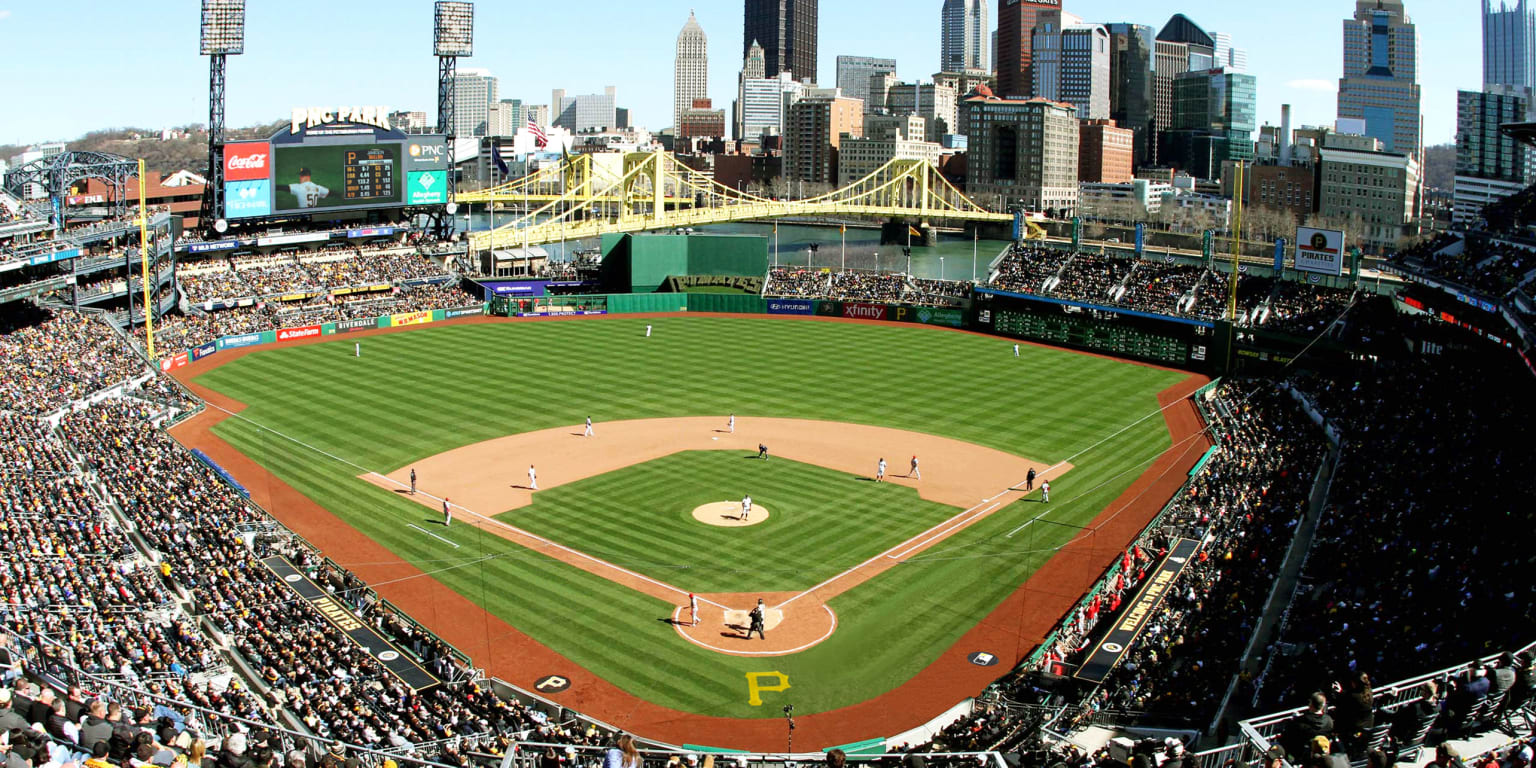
[(867, 286), (797, 282), (334, 269), (937, 292), (1492, 263), (1160, 288), (1305, 309), (1026, 268), (1430, 496), (198, 327), (1092, 278), (51, 359)]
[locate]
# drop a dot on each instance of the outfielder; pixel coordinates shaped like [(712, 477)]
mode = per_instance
[(914, 471), (447, 513), (647, 331), (533, 478), (880, 471), (588, 433), (309, 193), (1015, 350)]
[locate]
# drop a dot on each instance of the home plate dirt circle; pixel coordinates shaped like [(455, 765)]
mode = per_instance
[(791, 622), (727, 514)]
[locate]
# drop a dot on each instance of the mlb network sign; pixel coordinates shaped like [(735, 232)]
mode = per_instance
[(247, 199), (247, 162)]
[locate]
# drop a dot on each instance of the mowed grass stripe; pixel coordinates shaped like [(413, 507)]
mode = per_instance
[(423, 392)]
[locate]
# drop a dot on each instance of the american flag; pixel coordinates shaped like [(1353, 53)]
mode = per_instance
[(540, 138)]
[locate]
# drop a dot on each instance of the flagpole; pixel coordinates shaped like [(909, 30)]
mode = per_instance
[(845, 247), (975, 246)]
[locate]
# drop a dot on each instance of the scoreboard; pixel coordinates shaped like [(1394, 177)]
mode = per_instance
[(369, 174), (1155, 339)]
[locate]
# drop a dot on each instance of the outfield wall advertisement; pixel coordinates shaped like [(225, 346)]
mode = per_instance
[(348, 326), (410, 318), (859, 311), (306, 332), (791, 307)]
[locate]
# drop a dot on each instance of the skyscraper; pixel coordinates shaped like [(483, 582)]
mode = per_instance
[(690, 72), (1489, 165), (1016, 22), (963, 36), (1509, 43), (1381, 75), (1071, 64), (474, 91), (853, 73), (1132, 99), (786, 29)]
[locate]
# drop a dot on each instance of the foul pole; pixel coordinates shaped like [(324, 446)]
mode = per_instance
[(149, 315)]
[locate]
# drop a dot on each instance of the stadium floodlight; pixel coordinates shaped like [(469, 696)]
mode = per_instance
[(454, 30), (223, 27)]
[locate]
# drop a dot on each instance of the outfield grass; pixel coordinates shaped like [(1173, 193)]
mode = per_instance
[(821, 522), (420, 393)]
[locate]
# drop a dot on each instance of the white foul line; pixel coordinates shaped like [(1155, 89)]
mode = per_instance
[(433, 535), (925, 541)]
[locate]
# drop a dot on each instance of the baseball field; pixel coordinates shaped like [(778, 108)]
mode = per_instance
[(870, 587)]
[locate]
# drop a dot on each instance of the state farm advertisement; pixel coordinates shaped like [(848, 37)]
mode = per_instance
[(289, 334), (248, 161)]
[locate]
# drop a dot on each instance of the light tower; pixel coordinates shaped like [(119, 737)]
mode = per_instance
[(453, 37), (223, 35)]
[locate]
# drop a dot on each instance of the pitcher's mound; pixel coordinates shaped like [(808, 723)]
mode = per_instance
[(727, 514)]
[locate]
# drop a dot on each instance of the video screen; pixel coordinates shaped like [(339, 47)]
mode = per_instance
[(343, 176)]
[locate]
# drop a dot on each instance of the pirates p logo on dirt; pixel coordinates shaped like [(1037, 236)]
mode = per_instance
[(552, 684), (756, 685)]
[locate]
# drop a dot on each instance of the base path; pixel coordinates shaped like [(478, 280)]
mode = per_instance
[(491, 477), (1013, 630)]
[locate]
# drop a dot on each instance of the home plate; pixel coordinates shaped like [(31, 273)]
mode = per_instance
[(714, 438), (771, 618)]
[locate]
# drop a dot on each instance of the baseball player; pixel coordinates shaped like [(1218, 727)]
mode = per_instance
[(762, 451), (746, 507), (1015, 350), (447, 513), (730, 424), (647, 331), (533, 478), (880, 471), (357, 349), (756, 622), (914, 471), (693, 607), (413, 481), (1029, 480), (588, 433), (309, 193), (1045, 492)]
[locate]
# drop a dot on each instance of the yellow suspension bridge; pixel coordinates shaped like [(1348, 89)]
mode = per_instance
[(580, 199)]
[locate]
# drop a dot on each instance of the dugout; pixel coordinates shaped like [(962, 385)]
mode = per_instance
[(642, 263)]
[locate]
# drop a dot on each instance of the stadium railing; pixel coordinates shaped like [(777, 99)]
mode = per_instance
[(526, 754), (1258, 734)]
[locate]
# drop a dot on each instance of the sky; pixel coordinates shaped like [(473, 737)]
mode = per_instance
[(137, 64)]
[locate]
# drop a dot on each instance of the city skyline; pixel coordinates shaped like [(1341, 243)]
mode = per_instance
[(271, 77)]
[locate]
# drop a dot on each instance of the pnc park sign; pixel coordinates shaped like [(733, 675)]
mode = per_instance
[(310, 117)]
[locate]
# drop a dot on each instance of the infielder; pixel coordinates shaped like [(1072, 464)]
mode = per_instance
[(730, 424), (413, 481), (447, 513), (914, 471), (762, 451), (533, 478), (309, 193), (588, 433), (1045, 492), (746, 507), (880, 471), (693, 607)]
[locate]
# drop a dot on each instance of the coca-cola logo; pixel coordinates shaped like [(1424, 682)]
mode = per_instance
[(247, 162), (258, 160)]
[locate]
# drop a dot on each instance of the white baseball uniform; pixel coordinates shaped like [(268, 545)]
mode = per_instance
[(880, 472), (533, 478), (915, 472), (746, 507), (730, 424), (647, 331), (308, 193), (1015, 350), (589, 427), (693, 607)]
